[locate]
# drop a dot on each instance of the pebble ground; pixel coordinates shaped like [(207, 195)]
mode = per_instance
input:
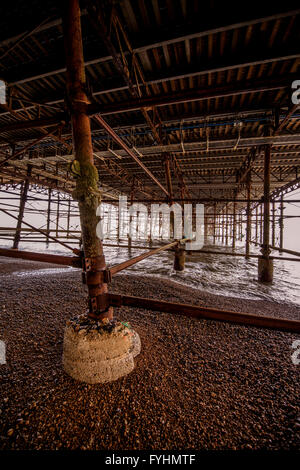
[(198, 384)]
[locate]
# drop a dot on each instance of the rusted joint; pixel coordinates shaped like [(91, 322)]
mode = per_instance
[(93, 272), (99, 304)]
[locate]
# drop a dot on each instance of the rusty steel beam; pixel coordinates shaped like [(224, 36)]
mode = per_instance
[(195, 311), (122, 144), (33, 124), (74, 261), (239, 88), (126, 264), (19, 152)]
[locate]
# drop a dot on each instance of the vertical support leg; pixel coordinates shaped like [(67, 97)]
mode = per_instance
[(273, 223), (261, 224), (68, 218), (265, 264), (130, 220), (23, 199), (248, 212), (48, 215), (57, 215), (281, 225), (234, 225), (256, 224), (179, 259), (214, 224), (223, 233), (86, 193), (226, 225)]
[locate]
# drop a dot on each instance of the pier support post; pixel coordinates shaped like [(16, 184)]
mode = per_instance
[(226, 224), (23, 199), (273, 223), (68, 218), (234, 225), (86, 193), (261, 221), (265, 264), (95, 348), (57, 215), (205, 225), (48, 216), (179, 259), (248, 213), (223, 233), (281, 225), (256, 224), (214, 224)]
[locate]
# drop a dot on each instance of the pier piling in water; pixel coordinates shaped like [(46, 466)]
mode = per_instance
[(179, 258)]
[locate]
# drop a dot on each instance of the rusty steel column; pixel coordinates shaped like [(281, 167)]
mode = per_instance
[(281, 225), (223, 227), (205, 226), (179, 259), (234, 225), (256, 224), (68, 218), (48, 215), (273, 223), (130, 218), (214, 224), (265, 264), (86, 193), (23, 199), (261, 224), (248, 213), (57, 215), (226, 224)]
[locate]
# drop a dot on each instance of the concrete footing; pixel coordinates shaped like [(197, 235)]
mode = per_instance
[(265, 269), (99, 351)]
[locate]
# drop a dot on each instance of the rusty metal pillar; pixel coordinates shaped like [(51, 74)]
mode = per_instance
[(248, 213), (234, 225), (256, 224), (261, 220), (226, 224), (23, 199), (205, 225), (48, 215), (222, 226), (68, 218), (265, 264), (57, 215), (179, 259), (86, 193), (130, 217), (273, 223), (281, 225), (214, 223)]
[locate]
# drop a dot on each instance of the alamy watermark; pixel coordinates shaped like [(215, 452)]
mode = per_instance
[(140, 223)]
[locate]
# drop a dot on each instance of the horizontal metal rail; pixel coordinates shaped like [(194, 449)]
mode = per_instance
[(195, 311), (285, 250), (43, 232), (74, 261), (126, 264)]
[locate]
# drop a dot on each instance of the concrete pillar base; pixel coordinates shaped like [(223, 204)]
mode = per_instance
[(265, 270), (99, 351)]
